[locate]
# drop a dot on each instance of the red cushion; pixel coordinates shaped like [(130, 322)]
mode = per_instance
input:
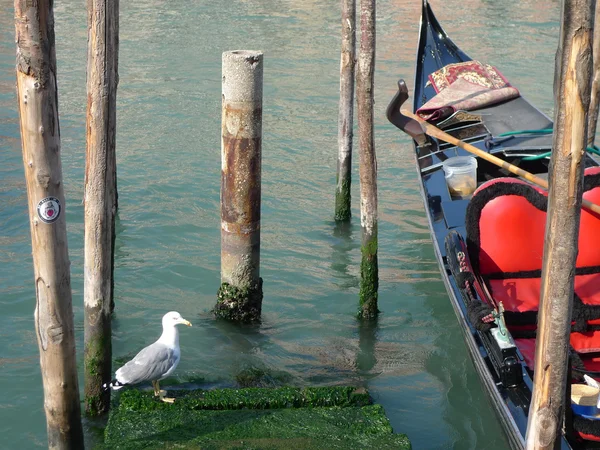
[(588, 437), (522, 294), (587, 287), (527, 349), (588, 342), (505, 216), (581, 342), (512, 233), (524, 253), (589, 232), (592, 362), (517, 294)]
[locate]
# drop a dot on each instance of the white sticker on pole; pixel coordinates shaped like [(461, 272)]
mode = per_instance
[(48, 209)]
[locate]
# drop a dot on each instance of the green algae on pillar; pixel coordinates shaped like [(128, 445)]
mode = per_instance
[(369, 276), (343, 196), (346, 112), (369, 280), (240, 294), (239, 305)]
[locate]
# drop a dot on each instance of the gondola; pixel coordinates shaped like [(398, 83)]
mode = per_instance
[(489, 242)]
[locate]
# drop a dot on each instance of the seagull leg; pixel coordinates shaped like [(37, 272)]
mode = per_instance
[(160, 393)]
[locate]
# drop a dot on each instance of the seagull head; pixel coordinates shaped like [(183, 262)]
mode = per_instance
[(173, 318)]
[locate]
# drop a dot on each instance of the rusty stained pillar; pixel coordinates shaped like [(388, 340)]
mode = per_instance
[(240, 295)]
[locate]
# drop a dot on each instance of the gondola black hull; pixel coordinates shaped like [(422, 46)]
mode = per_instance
[(504, 375)]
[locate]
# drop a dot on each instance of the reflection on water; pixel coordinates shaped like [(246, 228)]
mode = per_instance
[(346, 241), (367, 339), (412, 359)]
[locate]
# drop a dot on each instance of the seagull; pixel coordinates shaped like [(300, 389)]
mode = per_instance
[(155, 362)]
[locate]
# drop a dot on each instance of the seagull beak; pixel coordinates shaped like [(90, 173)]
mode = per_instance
[(185, 322)]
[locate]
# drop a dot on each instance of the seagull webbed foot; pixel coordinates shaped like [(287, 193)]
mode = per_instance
[(161, 393), (163, 396)]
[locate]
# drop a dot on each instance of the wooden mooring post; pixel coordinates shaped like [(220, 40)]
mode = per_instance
[(572, 93), (240, 295), (369, 272), (346, 112), (100, 194), (40, 140)]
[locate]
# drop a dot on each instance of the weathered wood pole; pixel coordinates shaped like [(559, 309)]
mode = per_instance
[(240, 295), (40, 140), (369, 272), (100, 200), (346, 112), (572, 82), (595, 94)]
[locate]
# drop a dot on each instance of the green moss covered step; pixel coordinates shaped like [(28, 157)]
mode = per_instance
[(253, 418), (355, 427), (250, 398)]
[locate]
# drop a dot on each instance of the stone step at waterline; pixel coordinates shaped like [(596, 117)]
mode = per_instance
[(252, 418)]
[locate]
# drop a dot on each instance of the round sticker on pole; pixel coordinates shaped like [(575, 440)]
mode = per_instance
[(48, 209)]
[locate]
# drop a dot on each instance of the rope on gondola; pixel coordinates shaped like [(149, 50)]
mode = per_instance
[(592, 149), (479, 314)]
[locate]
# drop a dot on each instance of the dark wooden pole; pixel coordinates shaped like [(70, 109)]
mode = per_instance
[(100, 200), (369, 273), (40, 140), (240, 295), (595, 94), (572, 92), (346, 112)]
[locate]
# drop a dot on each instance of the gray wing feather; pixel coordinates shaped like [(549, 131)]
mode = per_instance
[(150, 364)]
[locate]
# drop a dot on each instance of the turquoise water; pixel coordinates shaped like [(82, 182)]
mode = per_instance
[(167, 251)]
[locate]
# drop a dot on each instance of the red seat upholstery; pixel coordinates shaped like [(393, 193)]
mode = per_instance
[(506, 221)]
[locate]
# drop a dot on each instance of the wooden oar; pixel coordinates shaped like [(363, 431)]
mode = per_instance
[(435, 132)]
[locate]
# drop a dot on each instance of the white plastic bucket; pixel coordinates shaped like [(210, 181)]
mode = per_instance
[(584, 399), (461, 175)]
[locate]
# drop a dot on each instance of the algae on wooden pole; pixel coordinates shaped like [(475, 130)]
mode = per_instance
[(369, 273), (346, 112), (240, 294), (100, 200), (40, 140), (572, 81)]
